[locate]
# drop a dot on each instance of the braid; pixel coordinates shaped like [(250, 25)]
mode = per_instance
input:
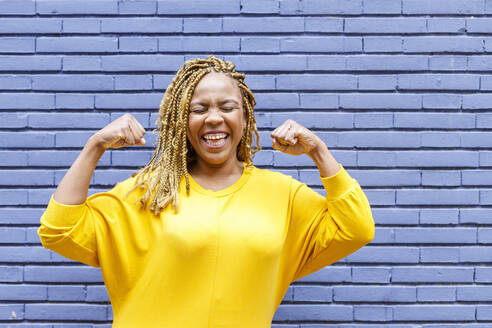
[(173, 152)]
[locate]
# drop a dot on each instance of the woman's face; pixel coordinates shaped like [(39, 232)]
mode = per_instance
[(216, 120)]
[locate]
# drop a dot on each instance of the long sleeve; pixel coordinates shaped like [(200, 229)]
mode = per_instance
[(324, 230)]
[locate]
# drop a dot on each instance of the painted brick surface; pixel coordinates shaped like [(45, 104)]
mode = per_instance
[(398, 89)]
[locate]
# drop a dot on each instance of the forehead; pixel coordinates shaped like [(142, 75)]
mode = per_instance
[(216, 83)]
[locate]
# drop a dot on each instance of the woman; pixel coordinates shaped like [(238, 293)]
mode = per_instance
[(221, 240)]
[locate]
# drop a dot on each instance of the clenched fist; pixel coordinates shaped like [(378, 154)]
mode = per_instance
[(294, 139), (122, 132)]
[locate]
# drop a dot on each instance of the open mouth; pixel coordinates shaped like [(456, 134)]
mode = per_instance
[(215, 140)]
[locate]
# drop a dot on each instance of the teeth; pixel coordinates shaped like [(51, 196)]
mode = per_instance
[(215, 136)]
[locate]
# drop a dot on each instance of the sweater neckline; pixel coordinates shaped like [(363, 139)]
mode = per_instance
[(247, 169)]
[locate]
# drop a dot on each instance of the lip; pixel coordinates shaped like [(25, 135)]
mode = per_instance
[(212, 147)]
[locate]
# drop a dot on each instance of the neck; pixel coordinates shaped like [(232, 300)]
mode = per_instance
[(231, 167)]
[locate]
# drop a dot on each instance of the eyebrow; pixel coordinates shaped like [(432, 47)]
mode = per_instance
[(220, 103)]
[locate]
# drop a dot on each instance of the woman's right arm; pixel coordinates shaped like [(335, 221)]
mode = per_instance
[(69, 223), (124, 131)]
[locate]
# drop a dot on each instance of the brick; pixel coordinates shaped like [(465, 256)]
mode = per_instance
[(380, 178), (436, 235), (314, 120), (373, 120), (23, 293), (380, 101), (439, 216), (270, 63), (330, 274), (97, 294), (323, 24), (453, 44), (377, 82), (76, 44), (485, 235), (317, 7), (439, 255), (384, 254), (138, 44), (376, 158), (13, 120), (434, 120), (485, 197), (202, 25), (326, 63), (313, 294), (74, 101), (436, 294), (260, 25), (446, 25), (318, 100), (437, 197), (380, 197), (27, 139), (389, 216), (132, 158), (260, 7), (316, 312), (484, 312), (382, 7), (447, 62), (441, 158), (66, 293), (11, 312), (260, 82), (483, 274), (476, 177), (60, 158), (17, 45), (385, 25), (485, 158), (137, 63), (111, 177), (455, 7), (68, 120), (442, 101), (260, 44), (385, 294), (371, 275), (402, 63), (13, 158), (32, 236), (441, 178), (474, 293), (71, 274), (133, 82), (475, 215), (475, 254), (432, 274), (440, 140), (14, 254), (72, 82), (31, 63), (202, 43), (438, 82), (20, 215), (137, 7), (373, 313), (321, 44), (78, 25), (19, 7), (26, 177), (382, 44), (81, 63), (277, 100), (316, 82), (37, 25), (10, 273), (15, 82), (128, 101), (379, 139), (475, 139), (13, 197), (476, 101), (479, 63), (214, 7), (66, 312), (12, 101)]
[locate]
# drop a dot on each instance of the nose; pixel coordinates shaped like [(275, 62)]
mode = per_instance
[(213, 117)]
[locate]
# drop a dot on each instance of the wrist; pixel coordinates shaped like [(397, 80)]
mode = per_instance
[(95, 145), (324, 160)]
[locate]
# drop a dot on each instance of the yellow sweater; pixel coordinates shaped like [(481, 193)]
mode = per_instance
[(225, 259)]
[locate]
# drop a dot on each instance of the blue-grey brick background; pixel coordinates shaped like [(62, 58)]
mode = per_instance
[(400, 90)]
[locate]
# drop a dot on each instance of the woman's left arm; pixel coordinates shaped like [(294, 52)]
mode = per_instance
[(328, 230)]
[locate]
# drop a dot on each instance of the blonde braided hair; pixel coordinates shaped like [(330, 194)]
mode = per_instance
[(174, 153)]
